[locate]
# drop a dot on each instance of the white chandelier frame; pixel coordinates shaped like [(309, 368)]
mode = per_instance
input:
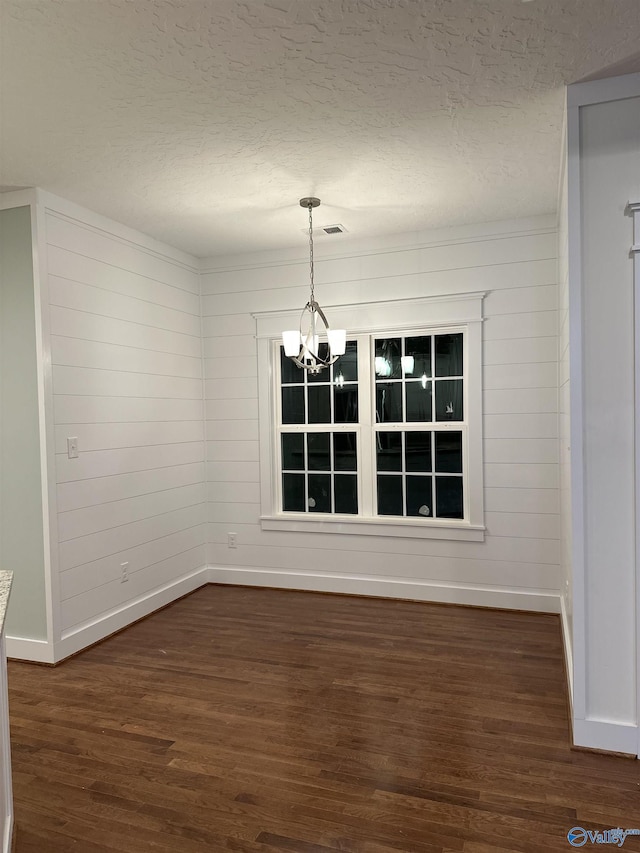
[(302, 345)]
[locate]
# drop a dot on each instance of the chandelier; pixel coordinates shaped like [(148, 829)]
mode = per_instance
[(303, 345)]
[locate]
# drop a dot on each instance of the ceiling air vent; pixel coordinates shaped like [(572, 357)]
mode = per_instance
[(334, 229)]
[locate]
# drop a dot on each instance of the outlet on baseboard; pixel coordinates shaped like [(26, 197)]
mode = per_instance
[(232, 540), (124, 570)]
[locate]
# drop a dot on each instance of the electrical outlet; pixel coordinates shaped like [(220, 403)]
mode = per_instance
[(232, 540), (72, 447), (124, 569)]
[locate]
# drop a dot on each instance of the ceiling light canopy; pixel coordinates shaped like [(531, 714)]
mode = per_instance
[(303, 345)]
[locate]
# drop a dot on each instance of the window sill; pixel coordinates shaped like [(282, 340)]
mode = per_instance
[(346, 524)]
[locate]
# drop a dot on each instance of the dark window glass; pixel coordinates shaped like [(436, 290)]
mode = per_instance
[(449, 497), (344, 451), (293, 451), (346, 493), (325, 373), (417, 451), (293, 405), (418, 401), (347, 365), (389, 495), (389, 451), (389, 402), (319, 499), (449, 355), (449, 400), (449, 452), (419, 497), (289, 370), (318, 453), (418, 349), (293, 492), (345, 404), (387, 363), (319, 398)]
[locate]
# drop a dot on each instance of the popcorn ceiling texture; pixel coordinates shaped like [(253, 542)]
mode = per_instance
[(202, 123)]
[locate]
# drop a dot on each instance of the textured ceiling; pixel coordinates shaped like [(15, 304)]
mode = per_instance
[(202, 123)]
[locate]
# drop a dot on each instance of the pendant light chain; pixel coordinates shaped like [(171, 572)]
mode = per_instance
[(303, 345), (311, 252)]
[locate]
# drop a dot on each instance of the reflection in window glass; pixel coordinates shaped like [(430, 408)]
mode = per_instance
[(389, 451), (290, 371), (389, 402), (449, 355), (293, 405), (418, 401), (419, 497), (388, 355), (346, 493), (389, 495), (417, 361), (344, 451), (293, 451), (347, 365), (418, 451), (449, 503), (319, 397), (293, 492), (449, 400), (318, 454), (449, 452), (319, 499), (345, 404)]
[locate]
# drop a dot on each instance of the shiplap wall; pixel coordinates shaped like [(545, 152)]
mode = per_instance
[(518, 563), (127, 382)]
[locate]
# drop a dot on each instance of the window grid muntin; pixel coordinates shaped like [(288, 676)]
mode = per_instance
[(433, 474), (367, 472), (306, 471), (432, 426), (306, 428), (431, 379)]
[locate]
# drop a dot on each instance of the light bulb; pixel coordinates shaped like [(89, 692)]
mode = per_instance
[(291, 341)]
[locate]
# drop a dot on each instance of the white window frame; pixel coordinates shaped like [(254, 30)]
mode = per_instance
[(459, 312)]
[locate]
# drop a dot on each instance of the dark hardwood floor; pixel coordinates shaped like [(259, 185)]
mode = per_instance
[(261, 720)]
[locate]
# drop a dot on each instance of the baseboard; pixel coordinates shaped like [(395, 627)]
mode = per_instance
[(568, 651), (92, 632), (510, 599), (23, 648), (8, 841), (606, 736)]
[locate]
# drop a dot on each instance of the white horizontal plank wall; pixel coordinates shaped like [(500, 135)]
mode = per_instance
[(518, 564), (564, 420), (126, 377)]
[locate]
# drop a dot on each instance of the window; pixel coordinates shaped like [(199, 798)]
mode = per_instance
[(385, 442)]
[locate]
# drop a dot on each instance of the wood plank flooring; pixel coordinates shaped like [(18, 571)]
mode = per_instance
[(256, 721)]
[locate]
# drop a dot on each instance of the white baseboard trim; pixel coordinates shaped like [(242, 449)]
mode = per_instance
[(23, 648), (80, 637), (512, 599), (7, 838), (568, 649), (605, 735)]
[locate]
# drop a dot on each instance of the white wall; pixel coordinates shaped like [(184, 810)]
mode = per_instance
[(518, 563), (21, 518), (125, 345), (604, 146), (564, 416)]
